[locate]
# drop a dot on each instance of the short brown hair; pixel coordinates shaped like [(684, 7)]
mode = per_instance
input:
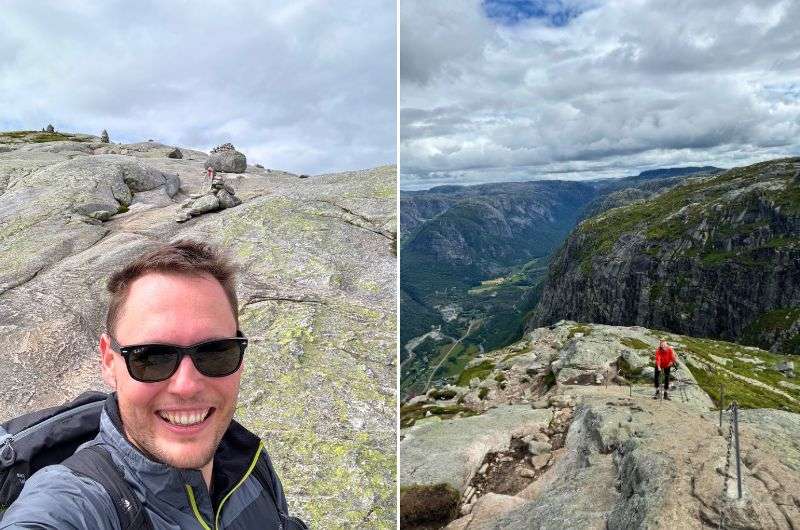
[(183, 257)]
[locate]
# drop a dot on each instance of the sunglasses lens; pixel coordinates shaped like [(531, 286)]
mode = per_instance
[(218, 358), (152, 363)]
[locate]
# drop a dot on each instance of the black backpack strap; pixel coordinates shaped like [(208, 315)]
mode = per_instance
[(264, 473), (96, 463)]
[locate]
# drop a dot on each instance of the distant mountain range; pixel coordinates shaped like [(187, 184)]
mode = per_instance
[(473, 258)]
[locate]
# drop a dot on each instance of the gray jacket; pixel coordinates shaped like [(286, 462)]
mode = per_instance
[(55, 498)]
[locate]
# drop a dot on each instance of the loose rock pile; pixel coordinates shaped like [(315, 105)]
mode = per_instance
[(220, 197), (224, 147)]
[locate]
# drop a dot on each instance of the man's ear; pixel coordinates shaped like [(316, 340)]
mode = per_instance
[(107, 360)]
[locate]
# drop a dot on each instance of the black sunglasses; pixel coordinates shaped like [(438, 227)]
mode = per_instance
[(151, 363)]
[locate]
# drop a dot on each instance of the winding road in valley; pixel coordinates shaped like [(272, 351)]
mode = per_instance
[(446, 355)]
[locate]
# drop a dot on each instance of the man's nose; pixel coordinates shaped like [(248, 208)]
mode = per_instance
[(186, 380)]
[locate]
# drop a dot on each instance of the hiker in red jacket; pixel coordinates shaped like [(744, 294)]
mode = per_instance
[(665, 359)]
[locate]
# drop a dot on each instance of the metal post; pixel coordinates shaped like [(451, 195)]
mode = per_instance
[(736, 438)]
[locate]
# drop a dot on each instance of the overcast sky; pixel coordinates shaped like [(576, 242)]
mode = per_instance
[(517, 90), (307, 86)]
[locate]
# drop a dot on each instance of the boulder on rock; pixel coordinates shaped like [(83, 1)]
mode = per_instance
[(226, 159)]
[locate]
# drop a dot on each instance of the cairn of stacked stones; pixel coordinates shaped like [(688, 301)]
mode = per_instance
[(104, 136), (219, 197), (224, 147), (50, 128)]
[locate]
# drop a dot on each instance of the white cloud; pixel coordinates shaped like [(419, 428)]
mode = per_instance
[(625, 86), (306, 86)]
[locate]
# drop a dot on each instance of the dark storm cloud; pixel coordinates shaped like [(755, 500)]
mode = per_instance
[(307, 86), (617, 88)]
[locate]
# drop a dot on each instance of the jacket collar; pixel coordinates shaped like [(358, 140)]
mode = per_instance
[(232, 459)]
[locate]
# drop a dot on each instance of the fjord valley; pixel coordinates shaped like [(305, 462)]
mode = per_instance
[(474, 257), (561, 427)]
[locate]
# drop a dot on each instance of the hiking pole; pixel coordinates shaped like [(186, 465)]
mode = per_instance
[(721, 404), (736, 442)]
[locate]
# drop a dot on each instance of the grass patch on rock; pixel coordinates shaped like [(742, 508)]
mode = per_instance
[(776, 320), (580, 328), (409, 414), (39, 137), (751, 363), (515, 354), (631, 374), (635, 344), (443, 394), (481, 371), (430, 504)]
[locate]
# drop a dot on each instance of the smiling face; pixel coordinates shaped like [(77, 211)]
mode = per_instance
[(179, 421)]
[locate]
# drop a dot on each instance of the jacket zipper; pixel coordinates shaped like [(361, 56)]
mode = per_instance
[(241, 481), (196, 511)]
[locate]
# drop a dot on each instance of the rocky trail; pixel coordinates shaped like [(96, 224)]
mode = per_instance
[(560, 439)]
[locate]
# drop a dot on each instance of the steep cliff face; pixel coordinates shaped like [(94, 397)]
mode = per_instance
[(712, 257)]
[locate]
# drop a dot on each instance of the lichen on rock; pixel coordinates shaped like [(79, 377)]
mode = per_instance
[(317, 299)]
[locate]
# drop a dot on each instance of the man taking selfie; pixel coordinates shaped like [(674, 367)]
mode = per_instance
[(172, 352)]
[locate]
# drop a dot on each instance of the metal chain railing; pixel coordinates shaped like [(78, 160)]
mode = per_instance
[(725, 476), (733, 446)]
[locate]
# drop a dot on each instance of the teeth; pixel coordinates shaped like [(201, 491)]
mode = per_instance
[(184, 418)]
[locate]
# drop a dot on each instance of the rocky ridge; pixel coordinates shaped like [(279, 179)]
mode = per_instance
[(716, 256), (590, 448), (316, 290)]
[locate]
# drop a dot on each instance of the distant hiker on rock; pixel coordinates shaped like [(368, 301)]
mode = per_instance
[(211, 175), (664, 360)]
